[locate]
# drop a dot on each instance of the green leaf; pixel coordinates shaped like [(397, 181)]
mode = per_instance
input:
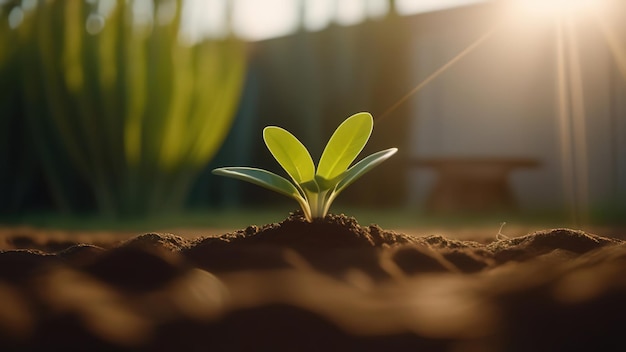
[(345, 145), (315, 191), (324, 184), (290, 153), (310, 186), (363, 166), (261, 178)]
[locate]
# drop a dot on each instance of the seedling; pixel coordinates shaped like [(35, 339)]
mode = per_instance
[(314, 189)]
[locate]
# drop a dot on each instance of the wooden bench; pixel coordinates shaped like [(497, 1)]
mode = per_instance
[(472, 184)]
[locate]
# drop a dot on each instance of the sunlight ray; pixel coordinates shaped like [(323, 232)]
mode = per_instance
[(580, 131), (572, 122), (567, 177), (615, 46), (438, 72)]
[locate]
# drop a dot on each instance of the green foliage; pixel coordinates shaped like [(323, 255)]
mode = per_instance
[(130, 108), (16, 164), (315, 190)]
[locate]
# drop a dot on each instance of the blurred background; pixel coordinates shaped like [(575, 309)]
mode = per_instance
[(119, 109)]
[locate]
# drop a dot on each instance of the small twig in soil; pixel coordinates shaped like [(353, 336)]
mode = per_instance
[(500, 235)]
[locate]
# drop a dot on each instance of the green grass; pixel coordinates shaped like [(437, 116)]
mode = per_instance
[(391, 218), (200, 218)]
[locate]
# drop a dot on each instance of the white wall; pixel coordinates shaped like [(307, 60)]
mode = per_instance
[(501, 100)]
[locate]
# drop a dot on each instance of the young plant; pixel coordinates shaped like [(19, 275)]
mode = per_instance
[(314, 189)]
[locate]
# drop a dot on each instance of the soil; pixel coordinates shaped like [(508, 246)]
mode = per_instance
[(328, 285)]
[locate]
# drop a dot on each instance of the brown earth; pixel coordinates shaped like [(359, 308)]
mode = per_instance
[(328, 285)]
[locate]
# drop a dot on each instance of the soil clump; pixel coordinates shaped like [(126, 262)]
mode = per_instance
[(327, 285)]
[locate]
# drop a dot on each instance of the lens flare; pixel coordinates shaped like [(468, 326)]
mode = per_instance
[(556, 7)]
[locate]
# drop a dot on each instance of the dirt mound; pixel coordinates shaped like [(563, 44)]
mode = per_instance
[(328, 285)]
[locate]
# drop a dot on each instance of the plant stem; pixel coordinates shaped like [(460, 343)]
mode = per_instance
[(318, 204)]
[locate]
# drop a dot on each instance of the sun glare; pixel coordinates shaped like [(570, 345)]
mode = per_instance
[(556, 7)]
